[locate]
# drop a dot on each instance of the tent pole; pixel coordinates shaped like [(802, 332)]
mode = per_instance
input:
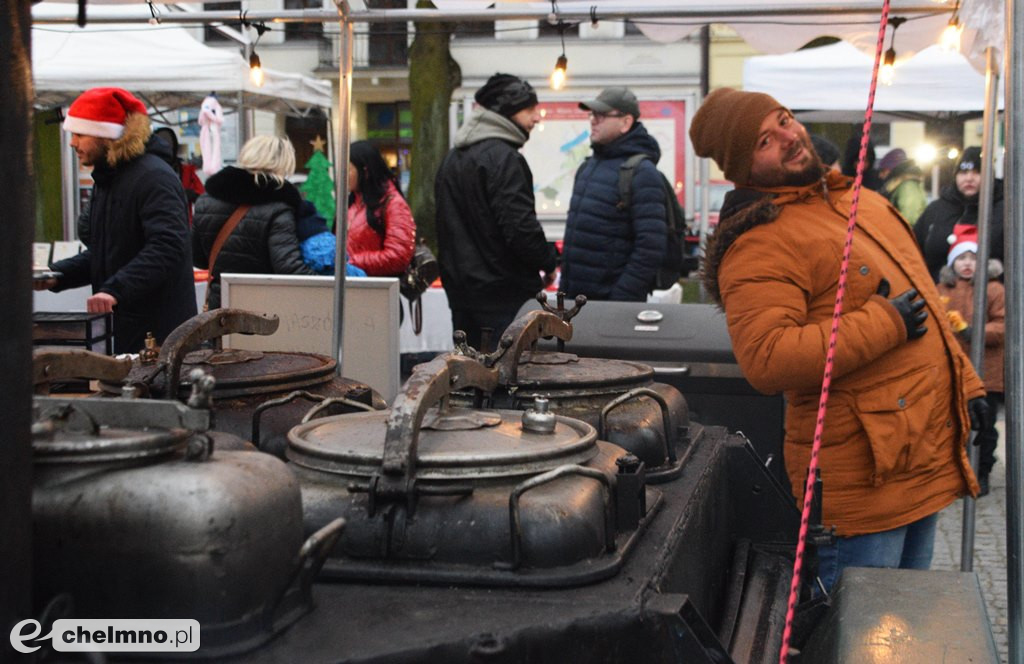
[(981, 281), (341, 130), (1013, 59)]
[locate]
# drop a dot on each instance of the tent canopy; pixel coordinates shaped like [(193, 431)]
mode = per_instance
[(163, 64), (834, 79)]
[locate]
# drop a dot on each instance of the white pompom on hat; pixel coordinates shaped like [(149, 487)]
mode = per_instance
[(963, 239), (102, 112)]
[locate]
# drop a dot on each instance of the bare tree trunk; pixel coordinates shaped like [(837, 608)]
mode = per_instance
[(433, 75), (15, 323)]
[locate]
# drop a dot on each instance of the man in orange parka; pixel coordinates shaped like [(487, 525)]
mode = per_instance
[(903, 394)]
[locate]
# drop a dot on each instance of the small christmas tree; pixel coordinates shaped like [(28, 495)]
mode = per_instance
[(319, 186)]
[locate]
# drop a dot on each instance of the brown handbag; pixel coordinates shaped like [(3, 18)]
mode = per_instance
[(218, 242)]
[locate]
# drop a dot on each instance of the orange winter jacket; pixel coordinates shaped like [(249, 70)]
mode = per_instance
[(893, 447)]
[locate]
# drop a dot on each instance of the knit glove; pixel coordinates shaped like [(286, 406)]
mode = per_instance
[(910, 307)]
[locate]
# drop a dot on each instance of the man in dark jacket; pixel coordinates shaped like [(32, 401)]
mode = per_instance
[(612, 253), (135, 227), (958, 204), (491, 248)]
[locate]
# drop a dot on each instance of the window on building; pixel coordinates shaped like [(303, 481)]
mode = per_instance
[(389, 42), (303, 131), (546, 29), (389, 128), (298, 31), (211, 35)]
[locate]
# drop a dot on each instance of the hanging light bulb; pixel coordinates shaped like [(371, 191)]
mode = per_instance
[(950, 40), (558, 75), (255, 70), (887, 74)]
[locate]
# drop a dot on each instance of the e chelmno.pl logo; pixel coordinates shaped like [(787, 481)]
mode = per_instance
[(100, 635)]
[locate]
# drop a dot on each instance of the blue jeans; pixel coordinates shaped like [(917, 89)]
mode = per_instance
[(907, 547)]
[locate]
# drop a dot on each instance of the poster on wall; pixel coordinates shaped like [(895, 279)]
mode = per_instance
[(561, 142)]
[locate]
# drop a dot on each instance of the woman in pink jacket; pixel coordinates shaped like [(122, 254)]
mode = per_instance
[(381, 230)]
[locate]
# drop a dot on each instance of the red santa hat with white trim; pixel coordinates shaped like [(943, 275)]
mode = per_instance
[(102, 112), (963, 239)]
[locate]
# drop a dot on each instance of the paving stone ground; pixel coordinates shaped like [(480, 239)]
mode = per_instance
[(989, 547)]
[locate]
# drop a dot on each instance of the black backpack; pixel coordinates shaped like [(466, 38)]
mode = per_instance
[(671, 268)]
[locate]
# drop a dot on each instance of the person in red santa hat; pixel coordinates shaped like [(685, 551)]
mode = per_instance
[(138, 256), (956, 287)]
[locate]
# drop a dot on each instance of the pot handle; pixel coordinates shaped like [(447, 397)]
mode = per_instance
[(429, 384), (51, 365), (311, 558), (523, 333), (666, 416), (207, 326)]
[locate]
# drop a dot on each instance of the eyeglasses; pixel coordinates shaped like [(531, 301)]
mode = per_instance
[(594, 115)]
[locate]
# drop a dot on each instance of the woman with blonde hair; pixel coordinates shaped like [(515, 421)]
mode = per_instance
[(250, 210)]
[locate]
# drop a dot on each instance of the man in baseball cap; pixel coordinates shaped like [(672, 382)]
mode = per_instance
[(615, 244), (138, 256), (903, 395)]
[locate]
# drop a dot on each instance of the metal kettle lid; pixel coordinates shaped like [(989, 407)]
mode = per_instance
[(354, 445), (566, 370)]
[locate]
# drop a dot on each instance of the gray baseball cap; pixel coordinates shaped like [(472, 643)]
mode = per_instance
[(614, 99)]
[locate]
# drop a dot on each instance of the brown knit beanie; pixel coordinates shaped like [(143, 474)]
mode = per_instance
[(725, 128)]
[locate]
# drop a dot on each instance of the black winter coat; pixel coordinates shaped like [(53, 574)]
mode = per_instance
[(265, 240), (612, 253), (936, 223), (490, 245), (135, 228)]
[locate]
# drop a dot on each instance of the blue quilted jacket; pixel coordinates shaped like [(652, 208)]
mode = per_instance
[(613, 254)]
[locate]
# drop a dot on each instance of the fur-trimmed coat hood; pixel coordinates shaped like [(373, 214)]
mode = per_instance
[(133, 142), (239, 186)]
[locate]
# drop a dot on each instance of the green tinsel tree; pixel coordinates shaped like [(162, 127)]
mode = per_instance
[(319, 186)]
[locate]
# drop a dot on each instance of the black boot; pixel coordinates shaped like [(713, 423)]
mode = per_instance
[(983, 482)]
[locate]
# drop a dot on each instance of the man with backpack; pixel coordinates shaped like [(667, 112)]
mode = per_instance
[(617, 232)]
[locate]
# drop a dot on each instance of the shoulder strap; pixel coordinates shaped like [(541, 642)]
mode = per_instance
[(627, 170), (225, 231)]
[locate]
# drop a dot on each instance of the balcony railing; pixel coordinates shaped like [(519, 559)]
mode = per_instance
[(368, 50)]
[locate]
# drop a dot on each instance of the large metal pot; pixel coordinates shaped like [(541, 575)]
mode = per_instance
[(451, 495), (620, 399), (259, 395), (135, 516)]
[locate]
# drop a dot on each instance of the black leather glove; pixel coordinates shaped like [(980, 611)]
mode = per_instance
[(910, 307), (981, 416)]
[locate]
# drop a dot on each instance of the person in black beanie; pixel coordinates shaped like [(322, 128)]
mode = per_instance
[(958, 204), (491, 248)]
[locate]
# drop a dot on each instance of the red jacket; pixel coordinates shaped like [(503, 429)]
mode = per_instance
[(387, 256)]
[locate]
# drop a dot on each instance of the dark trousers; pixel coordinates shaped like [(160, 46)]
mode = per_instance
[(988, 438), (483, 326)]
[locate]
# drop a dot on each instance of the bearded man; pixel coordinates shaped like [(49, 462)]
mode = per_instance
[(903, 395), (138, 256)]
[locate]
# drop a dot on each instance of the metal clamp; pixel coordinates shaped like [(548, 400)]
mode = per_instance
[(515, 522), (666, 417), (310, 560), (523, 333), (430, 383), (207, 326)]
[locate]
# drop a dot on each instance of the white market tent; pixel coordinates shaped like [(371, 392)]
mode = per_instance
[(833, 80), (163, 64)]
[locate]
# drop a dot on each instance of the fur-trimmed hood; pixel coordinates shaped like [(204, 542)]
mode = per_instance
[(239, 186), (747, 208), (948, 277), (132, 144)]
